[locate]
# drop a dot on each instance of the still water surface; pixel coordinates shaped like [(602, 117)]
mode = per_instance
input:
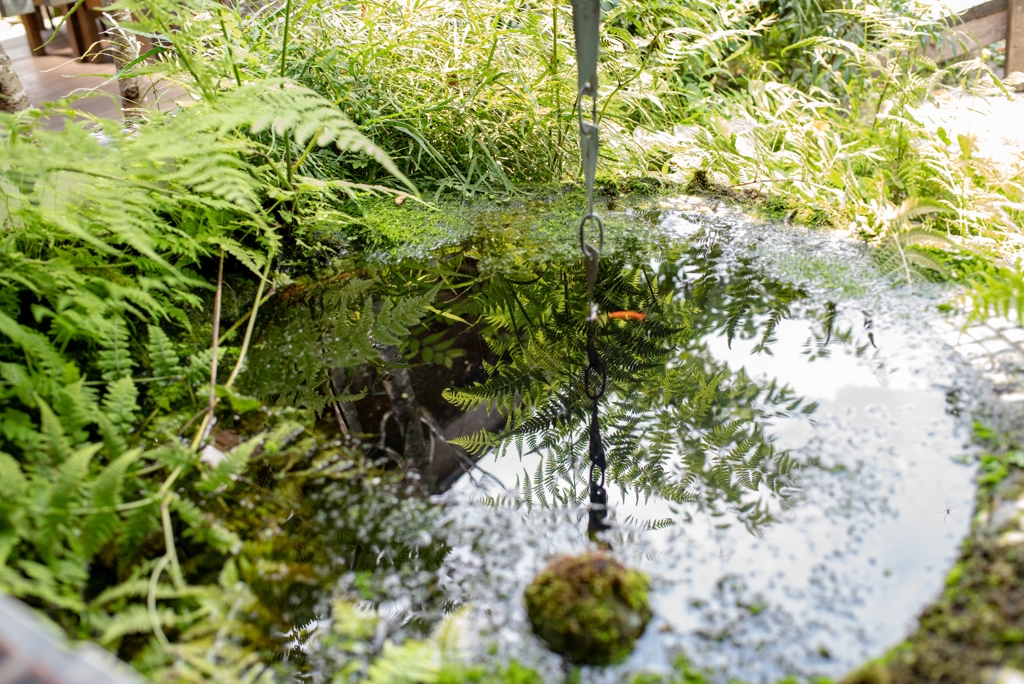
[(847, 550)]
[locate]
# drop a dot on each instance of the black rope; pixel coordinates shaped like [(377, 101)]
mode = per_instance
[(595, 380), (586, 16)]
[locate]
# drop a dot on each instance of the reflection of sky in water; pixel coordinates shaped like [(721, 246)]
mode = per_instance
[(857, 552)]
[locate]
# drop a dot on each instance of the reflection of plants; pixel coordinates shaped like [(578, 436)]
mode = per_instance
[(326, 327), (745, 293), (678, 424), (434, 349)]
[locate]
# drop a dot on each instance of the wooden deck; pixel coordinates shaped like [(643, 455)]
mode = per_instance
[(57, 74)]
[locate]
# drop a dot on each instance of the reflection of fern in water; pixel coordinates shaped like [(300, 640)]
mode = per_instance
[(329, 326), (678, 423)]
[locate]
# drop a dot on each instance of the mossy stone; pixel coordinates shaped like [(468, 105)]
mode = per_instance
[(589, 608)]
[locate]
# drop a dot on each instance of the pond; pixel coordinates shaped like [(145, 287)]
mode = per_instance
[(788, 439)]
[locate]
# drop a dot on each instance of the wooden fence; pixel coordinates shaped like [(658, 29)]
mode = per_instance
[(984, 23)]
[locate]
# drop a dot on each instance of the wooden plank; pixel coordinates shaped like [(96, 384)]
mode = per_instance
[(982, 10), (33, 33), (75, 37), (1015, 37), (969, 38), (54, 75), (84, 21)]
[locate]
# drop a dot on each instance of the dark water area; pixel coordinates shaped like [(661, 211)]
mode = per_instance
[(782, 427)]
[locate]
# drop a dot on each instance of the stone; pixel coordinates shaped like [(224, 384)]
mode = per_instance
[(999, 323), (981, 333), (1015, 335), (1011, 357), (971, 350), (1003, 512), (996, 345)]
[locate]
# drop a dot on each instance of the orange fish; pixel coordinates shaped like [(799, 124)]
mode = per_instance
[(627, 315)]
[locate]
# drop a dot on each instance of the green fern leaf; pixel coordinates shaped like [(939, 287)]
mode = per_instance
[(233, 463), (101, 525), (120, 403), (53, 438), (114, 360), (76, 406), (140, 524), (36, 346), (135, 619), (13, 485), (162, 358), (113, 438)]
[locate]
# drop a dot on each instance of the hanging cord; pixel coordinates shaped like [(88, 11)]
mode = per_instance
[(586, 20)]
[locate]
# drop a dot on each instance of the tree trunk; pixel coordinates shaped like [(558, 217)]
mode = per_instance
[(126, 48), (407, 414), (13, 97)]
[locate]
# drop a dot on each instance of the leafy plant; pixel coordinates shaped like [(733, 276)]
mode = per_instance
[(113, 379), (475, 98), (1001, 294), (897, 234)]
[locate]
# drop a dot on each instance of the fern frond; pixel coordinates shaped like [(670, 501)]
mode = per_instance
[(231, 465), (162, 357), (135, 619), (120, 403), (1000, 294), (52, 432), (115, 361), (101, 525)]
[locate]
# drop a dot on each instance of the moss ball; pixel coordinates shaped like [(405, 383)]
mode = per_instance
[(589, 608)]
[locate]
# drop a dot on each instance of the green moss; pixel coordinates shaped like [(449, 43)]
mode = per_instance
[(700, 182), (776, 207), (589, 608), (993, 468), (512, 673), (960, 263), (820, 272), (617, 185), (870, 673), (954, 575), (685, 673), (536, 226), (819, 218)]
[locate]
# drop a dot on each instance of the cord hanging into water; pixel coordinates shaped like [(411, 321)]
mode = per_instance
[(586, 21)]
